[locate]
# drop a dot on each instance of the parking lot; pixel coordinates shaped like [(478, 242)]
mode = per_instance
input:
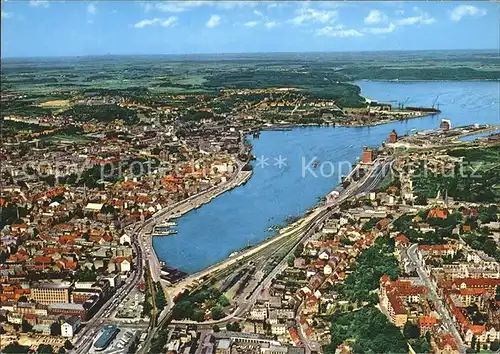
[(130, 309), (120, 345)]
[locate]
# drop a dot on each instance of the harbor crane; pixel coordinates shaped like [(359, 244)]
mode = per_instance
[(402, 104), (435, 101)]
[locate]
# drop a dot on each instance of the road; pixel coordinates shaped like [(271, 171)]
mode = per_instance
[(443, 311), (84, 339), (303, 228)]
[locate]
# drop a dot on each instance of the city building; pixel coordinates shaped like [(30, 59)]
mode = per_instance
[(49, 293), (393, 137), (367, 156), (445, 124), (70, 326)]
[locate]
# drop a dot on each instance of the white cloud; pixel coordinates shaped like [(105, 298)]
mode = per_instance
[(258, 13), (228, 5), (178, 6), (466, 10), (423, 19), (171, 21), (6, 15), (375, 16), (213, 21), (381, 30), (338, 31), (91, 9), (182, 6), (271, 24), (39, 3), (251, 24), (305, 15)]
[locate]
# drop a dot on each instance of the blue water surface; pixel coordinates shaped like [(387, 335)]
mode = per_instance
[(243, 215)]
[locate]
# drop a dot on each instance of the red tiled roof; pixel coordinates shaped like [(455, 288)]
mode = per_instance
[(472, 291), (43, 260), (446, 339), (476, 282), (437, 213), (396, 304), (121, 259), (401, 238), (427, 321), (294, 335)]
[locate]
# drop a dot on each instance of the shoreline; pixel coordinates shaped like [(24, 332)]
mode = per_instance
[(270, 238), (415, 80), (239, 179), (280, 127)]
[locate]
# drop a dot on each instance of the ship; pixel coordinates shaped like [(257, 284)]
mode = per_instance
[(315, 164), (163, 230), (423, 109), (169, 224)]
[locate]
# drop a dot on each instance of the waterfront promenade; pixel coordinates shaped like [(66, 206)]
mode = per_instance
[(179, 209)]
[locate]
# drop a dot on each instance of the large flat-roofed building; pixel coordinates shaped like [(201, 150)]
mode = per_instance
[(48, 293), (62, 309), (108, 334)]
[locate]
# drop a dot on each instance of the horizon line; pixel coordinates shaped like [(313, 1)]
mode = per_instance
[(251, 53)]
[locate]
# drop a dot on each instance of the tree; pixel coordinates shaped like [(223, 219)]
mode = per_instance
[(421, 200), (223, 301), (22, 298), (217, 313), (420, 345), (55, 329), (15, 348), (26, 327), (411, 331), (45, 349), (234, 327), (428, 337), (298, 251), (495, 346), (216, 328), (369, 329), (473, 342), (183, 309), (198, 316), (68, 345)]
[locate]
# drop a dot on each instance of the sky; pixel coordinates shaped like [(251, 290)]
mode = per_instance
[(33, 28)]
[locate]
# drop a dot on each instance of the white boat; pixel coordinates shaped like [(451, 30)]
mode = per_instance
[(163, 230), (169, 224)]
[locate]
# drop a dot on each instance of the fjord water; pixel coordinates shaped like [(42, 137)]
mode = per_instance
[(244, 215)]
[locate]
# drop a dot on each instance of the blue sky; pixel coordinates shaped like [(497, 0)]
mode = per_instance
[(71, 28)]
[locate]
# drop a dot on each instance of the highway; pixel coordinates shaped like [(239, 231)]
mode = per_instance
[(305, 227), (443, 311), (84, 339)]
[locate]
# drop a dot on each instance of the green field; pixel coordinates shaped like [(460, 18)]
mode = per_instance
[(319, 74), (476, 179)]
